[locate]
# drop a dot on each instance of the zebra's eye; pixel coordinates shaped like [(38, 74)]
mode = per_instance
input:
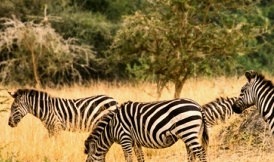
[(92, 147), (15, 105), (244, 88)]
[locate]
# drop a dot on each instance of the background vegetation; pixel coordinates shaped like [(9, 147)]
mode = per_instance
[(55, 43)]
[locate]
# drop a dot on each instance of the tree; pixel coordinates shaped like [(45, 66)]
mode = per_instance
[(176, 39), (34, 54), (88, 28)]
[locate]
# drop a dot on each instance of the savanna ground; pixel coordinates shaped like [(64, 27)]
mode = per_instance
[(28, 142)]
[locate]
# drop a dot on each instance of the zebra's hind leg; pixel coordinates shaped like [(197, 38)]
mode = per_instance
[(192, 144), (190, 155), (139, 153), (198, 151)]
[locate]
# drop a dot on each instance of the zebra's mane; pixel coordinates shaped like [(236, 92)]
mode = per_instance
[(267, 82), (99, 127), (127, 102), (33, 93), (139, 102)]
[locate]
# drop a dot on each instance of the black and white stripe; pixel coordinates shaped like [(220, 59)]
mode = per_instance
[(218, 110), (153, 125), (257, 91), (58, 113)]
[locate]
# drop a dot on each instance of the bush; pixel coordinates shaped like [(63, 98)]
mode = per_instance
[(248, 130), (34, 54)]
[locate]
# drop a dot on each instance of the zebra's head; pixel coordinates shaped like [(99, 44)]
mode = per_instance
[(18, 108), (91, 151), (246, 98), (100, 140)]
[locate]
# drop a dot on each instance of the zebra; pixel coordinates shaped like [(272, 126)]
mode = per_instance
[(257, 91), (58, 114), (155, 125), (219, 109)]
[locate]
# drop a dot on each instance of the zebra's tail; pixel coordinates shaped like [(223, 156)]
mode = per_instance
[(205, 136)]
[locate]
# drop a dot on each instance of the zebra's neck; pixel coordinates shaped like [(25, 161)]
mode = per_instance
[(264, 101), (104, 136), (216, 114), (220, 109), (41, 107), (263, 94)]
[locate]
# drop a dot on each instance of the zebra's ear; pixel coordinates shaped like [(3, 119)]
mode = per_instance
[(13, 94), (250, 75)]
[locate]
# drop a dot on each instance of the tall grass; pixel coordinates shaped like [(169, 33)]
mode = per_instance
[(28, 142)]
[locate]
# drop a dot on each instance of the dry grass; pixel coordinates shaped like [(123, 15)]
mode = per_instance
[(29, 142)]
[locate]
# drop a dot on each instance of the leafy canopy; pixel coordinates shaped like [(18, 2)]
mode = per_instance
[(176, 39)]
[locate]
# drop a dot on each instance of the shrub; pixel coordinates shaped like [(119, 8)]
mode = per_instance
[(34, 54)]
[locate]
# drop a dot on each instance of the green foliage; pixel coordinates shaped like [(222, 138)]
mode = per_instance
[(89, 28), (34, 54), (113, 10), (160, 40), (261, 59), (25, 9), (137, 70), (68, 20), (180, 39)]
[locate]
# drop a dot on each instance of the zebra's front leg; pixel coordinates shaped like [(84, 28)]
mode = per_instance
[(54, 129), (190, 155), (53, 132), (128, 156), (53, 125), (127, 148), (139, 152)]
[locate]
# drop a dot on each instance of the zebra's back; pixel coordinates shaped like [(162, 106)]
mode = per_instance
[(78, 114)]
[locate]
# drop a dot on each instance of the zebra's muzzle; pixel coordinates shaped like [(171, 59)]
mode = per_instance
[(12, 123), (236, 109)]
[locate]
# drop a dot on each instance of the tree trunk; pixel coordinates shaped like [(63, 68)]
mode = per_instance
[(179, 83), (35, 73), (35, 70), (160, 86), (178, 88)]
